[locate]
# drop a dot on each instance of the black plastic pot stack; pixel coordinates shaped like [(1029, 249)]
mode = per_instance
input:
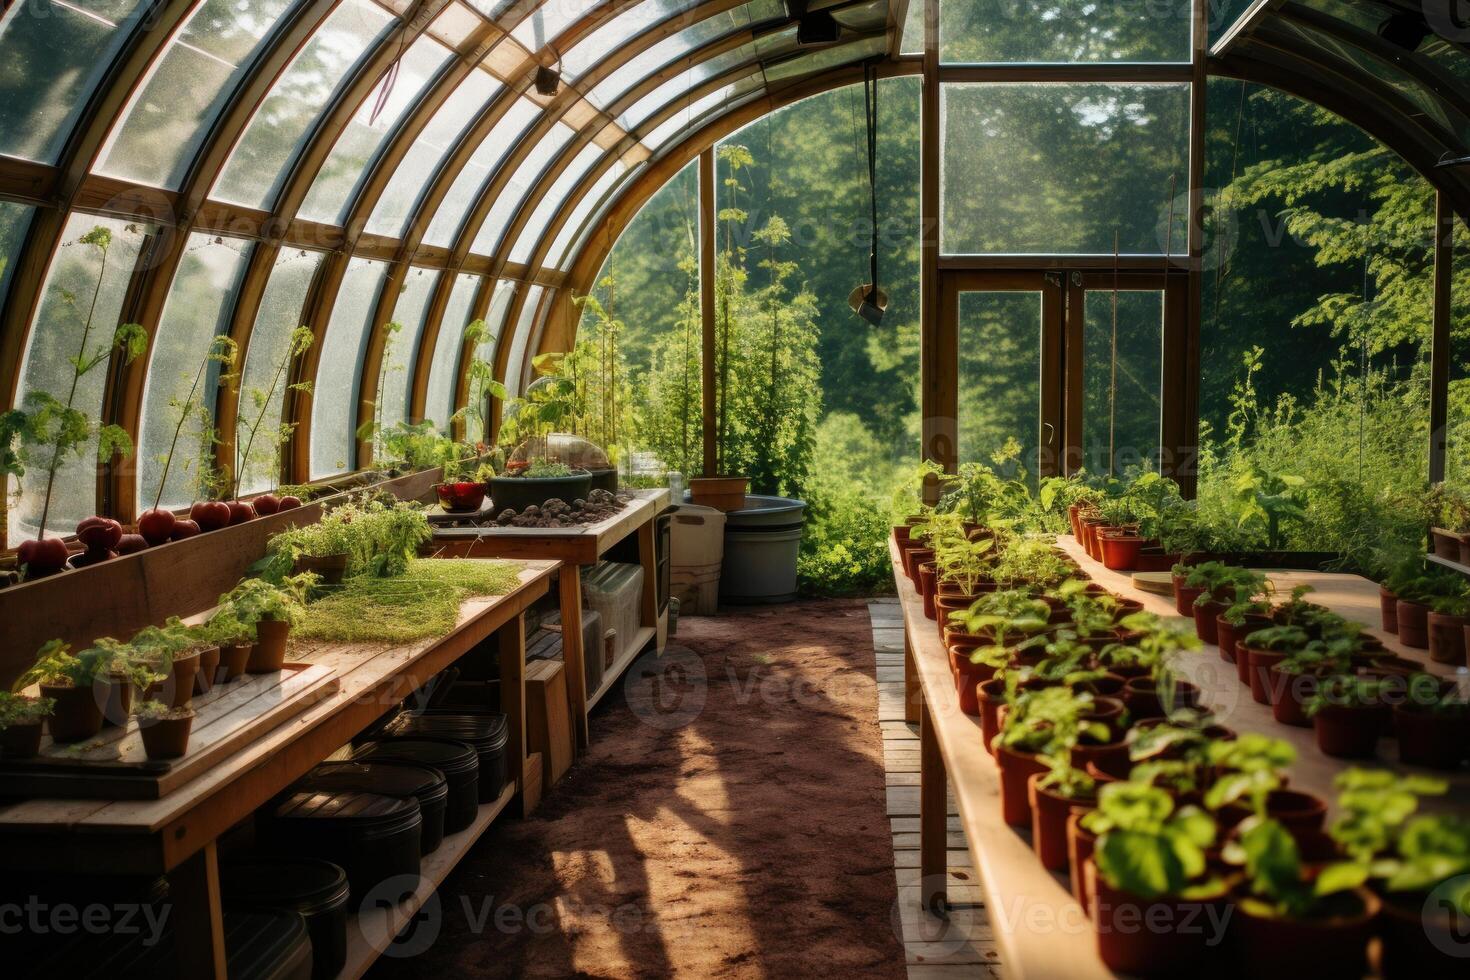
[(316, 890), (375, 839), (487, 734), (399, 779), (456, 761)]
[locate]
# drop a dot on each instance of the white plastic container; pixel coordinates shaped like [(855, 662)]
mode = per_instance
[(615, 591), (697, 552)]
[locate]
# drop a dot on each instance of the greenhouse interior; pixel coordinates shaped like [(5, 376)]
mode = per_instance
[(922, 489)]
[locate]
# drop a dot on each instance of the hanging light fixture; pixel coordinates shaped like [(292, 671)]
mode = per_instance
[(868, 300), (548, 80)]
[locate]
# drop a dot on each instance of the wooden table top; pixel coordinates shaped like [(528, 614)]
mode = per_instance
[(1041, 930), (583, 545), (371, 678)]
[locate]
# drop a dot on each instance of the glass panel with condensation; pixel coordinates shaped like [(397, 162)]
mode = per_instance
[(546, 207), (54, 56), (346, 167), (80, 308), (462, 194), (15, 221), (628, 24), (1062, 32), (556, 254), (515, 366), (260, 161), (1063, 168), (334, 398), (999, 375), (168, 118), (439, 404), (519, 184), (495, 326), (402, 345), (550, 18), (267, 369)]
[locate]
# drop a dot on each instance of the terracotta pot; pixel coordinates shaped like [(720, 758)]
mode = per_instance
[(944, 605), (1110, 758), (1162, 937), (1228, 635), (1413, 622), (1142, 696), (1120, 551), (1016, 770), (1301, 813), (968, 677), (1291, 693), (1447, 638), (901, 533), (166, 738), (1080, 845), (1437, 739), (1258, 671), (1446, 544), (77, 715), (1091, 529), (1348, 731), (204, 677), (233, 660), (1333, 945), (989, 696), (1184, 596), (177, 689), (114, 697), (21, 741), (913, 558), (1049, 813), (329, 568), (1388, 607), (927, 586), (1417, 938), (268, 654), (1205, 616)]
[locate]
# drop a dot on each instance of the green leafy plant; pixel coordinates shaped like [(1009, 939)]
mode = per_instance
[(151, 711), (1430, 851), (1373, 805), (1049, 722), (222, 352), (262, 444), (57, 666), (17, 710), (255, 599), (1277, 879), (378, 536), (482, 383), (1148, 847), (1250, 768), (545, 469)]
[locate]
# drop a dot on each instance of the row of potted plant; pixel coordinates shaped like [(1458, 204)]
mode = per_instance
[(155, 675)]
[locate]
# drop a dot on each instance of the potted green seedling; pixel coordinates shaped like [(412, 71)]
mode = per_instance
[(1348, 714), (1214, 586), (20, 724), (1263, 649), (1149, 864), (1039, 724), (1448, 617), (271, 610), (1432, 723), (165, 729), (176, 653), (235, 640), (1161, 692), (68, 682)]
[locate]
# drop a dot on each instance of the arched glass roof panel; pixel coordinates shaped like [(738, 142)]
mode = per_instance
[(1063, 32), (770, 46), (515, 367), (671, 48), (825, 59), (494, 327), (170, 115), (715, 103), (55, 54), (439, 404), (182, 381), (80, 273), (342, 174), (334, 396), (417, 168), (259, 162), (1223, 16), (565, 183), (398, 359), (519, 184), (628, 24), (556, 254), (477, 171), (15, 221), (912, 41), (550, 18), (267, 367)]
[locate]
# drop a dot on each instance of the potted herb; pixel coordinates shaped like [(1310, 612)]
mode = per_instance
[(1250, 777), (175, 653), (1051, 722), (1432, 723), (1216, 585), (1424, 881), (1161, 692), (165, 729), (466, 482), (1149, 865), (324, 549), (1264, 649), (1347, 714), (272, 611), (67, 681), (534, 484), (1037, 724), (1247, 613), (1295, 921), (1448, 617), (1415, 597), (234, 640), (20, 724)]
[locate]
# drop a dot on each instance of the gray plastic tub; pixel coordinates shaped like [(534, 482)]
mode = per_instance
[(761, 545)]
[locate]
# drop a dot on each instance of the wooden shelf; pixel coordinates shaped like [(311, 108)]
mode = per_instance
[(369, 933), (629, 654), (1449, 563)]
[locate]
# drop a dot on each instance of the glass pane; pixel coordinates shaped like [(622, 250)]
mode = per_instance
[(82, 278), (825, 59), (551, 201), (611, 36), (179, 396), (258, 164), (1061, 31), (267, 368), (54, 55), (334, 400), (342, 173), (439, 404), (999, 375), (495, 324), (390, 217), (913, 29), (556, 255), (1123, 364), (550, 19), (481, 164), (168, 117), (703, 110), (15, 220), (1063, 168), (402, 346), (1223, 15), (515, 366), (520, 182)]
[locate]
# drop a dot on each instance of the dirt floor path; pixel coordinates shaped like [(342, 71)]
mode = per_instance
[(728, 822)]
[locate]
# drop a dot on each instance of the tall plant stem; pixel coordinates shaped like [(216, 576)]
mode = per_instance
[(78, 369), (243, 457), (178, 428)]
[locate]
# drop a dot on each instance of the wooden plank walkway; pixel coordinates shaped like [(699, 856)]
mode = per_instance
[(961, 946)]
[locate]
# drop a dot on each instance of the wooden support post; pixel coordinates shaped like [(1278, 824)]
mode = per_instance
[(569, 588), (911, 692), (933, 817), (1182, 459), (938, 373), (648, 559), (1439, 345), (198, 922), (511, 643), (707, 272)]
